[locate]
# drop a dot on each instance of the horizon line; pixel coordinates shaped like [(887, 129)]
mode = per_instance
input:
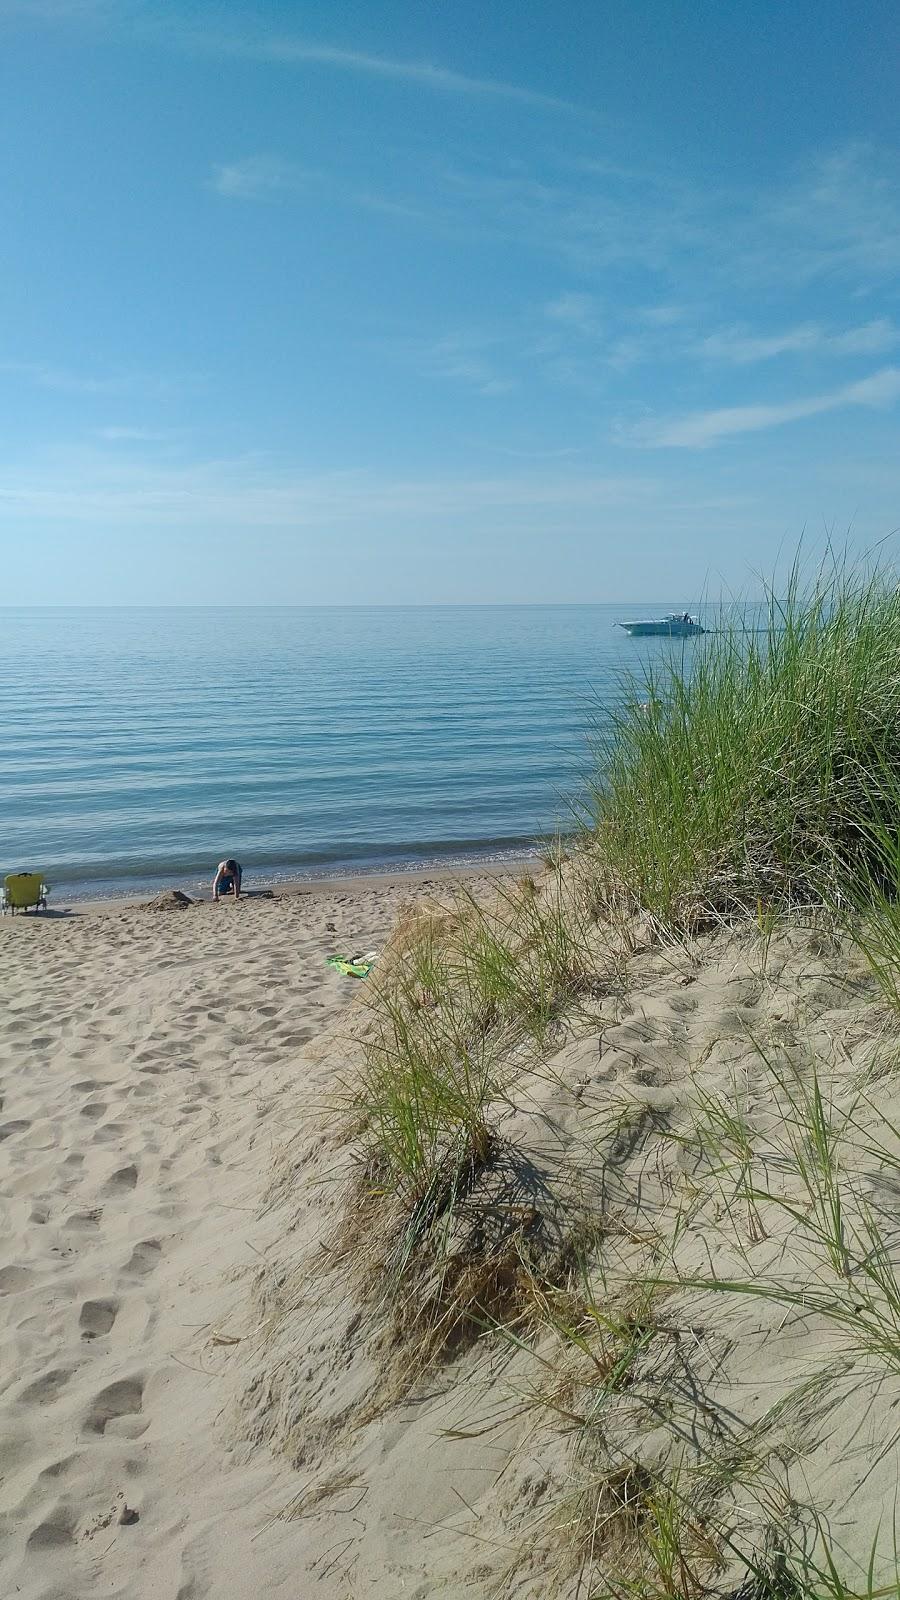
[(358, 605)]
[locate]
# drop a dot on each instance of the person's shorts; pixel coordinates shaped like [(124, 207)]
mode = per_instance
[(226, 885)]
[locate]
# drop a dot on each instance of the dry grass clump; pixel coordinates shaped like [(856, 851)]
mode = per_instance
[(447, 1223), (637, 1538), (460, 995)]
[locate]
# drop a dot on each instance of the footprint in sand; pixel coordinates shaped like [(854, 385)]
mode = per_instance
[(47, 1388), (123, 1178), (122, 1399), (94, 1109), (683, 1005), (144, 1257), (56, 1529), (110, 1132), (81, 1220), (57, 1469), (97, 1317), (14, 1279), (9, 1129)]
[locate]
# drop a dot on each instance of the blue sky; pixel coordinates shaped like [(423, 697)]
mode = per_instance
[(402, 302)]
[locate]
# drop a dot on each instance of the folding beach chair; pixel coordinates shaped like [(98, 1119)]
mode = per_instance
[(23, 891)]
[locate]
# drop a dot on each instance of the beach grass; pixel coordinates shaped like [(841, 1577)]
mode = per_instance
[(755, 776), (748, 771), (459, 1011)]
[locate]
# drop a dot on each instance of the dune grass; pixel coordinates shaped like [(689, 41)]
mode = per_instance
[(758, 772), (471, 984), (460, 1009), (744, 773)]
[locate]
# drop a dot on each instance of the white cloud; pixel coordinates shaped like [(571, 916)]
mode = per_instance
[(247, 492), (591, 222), (699, 429), (261, 44), (741, 347), (260, 178), (127, 435), (665, 316), (577, 311), (293, 51), (463, 357), (836, 217), (839, 215), (43, 375), (56, 10), (872, 339)]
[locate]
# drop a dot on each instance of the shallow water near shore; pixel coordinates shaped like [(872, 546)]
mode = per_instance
[(139, 746)]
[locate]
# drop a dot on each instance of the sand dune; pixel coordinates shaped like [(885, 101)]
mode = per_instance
[(196, 1402)]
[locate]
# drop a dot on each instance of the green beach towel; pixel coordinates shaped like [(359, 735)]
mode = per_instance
[(359, 967)]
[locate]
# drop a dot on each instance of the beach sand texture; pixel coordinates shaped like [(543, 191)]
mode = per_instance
[(192, 1405), (144, 1062)]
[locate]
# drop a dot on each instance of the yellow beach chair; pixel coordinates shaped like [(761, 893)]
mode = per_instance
[(24, 890)]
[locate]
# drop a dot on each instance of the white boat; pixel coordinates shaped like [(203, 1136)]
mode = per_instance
[(677, 625)]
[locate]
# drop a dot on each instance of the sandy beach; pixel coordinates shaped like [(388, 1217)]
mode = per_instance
[(197, 1401), (146, 1060)]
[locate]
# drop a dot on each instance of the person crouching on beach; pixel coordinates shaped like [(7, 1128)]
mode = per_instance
[(228, 879)]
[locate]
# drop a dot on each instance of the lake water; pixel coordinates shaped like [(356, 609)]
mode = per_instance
[(139, 747)]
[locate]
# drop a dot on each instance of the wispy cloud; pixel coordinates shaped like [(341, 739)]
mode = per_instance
[(839, 215), (577, 311), (742, 347), (128, 435), (56, 10), (291, 50), (255, 42), (467, 357), (665, 316), (114, 489), (263, 177), (43, 375), (836, 215), (450, 359), (699, 429), (270, 177), (592, 222)]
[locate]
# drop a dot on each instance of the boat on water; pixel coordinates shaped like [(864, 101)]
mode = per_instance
[(677, 625)]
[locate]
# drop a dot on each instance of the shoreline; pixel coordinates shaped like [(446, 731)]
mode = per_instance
[(353, 884)]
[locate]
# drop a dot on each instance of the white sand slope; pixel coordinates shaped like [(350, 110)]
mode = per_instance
[(193, 1400), (142, 1060)]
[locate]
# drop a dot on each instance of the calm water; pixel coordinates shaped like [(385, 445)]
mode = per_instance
[(138, 747)]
